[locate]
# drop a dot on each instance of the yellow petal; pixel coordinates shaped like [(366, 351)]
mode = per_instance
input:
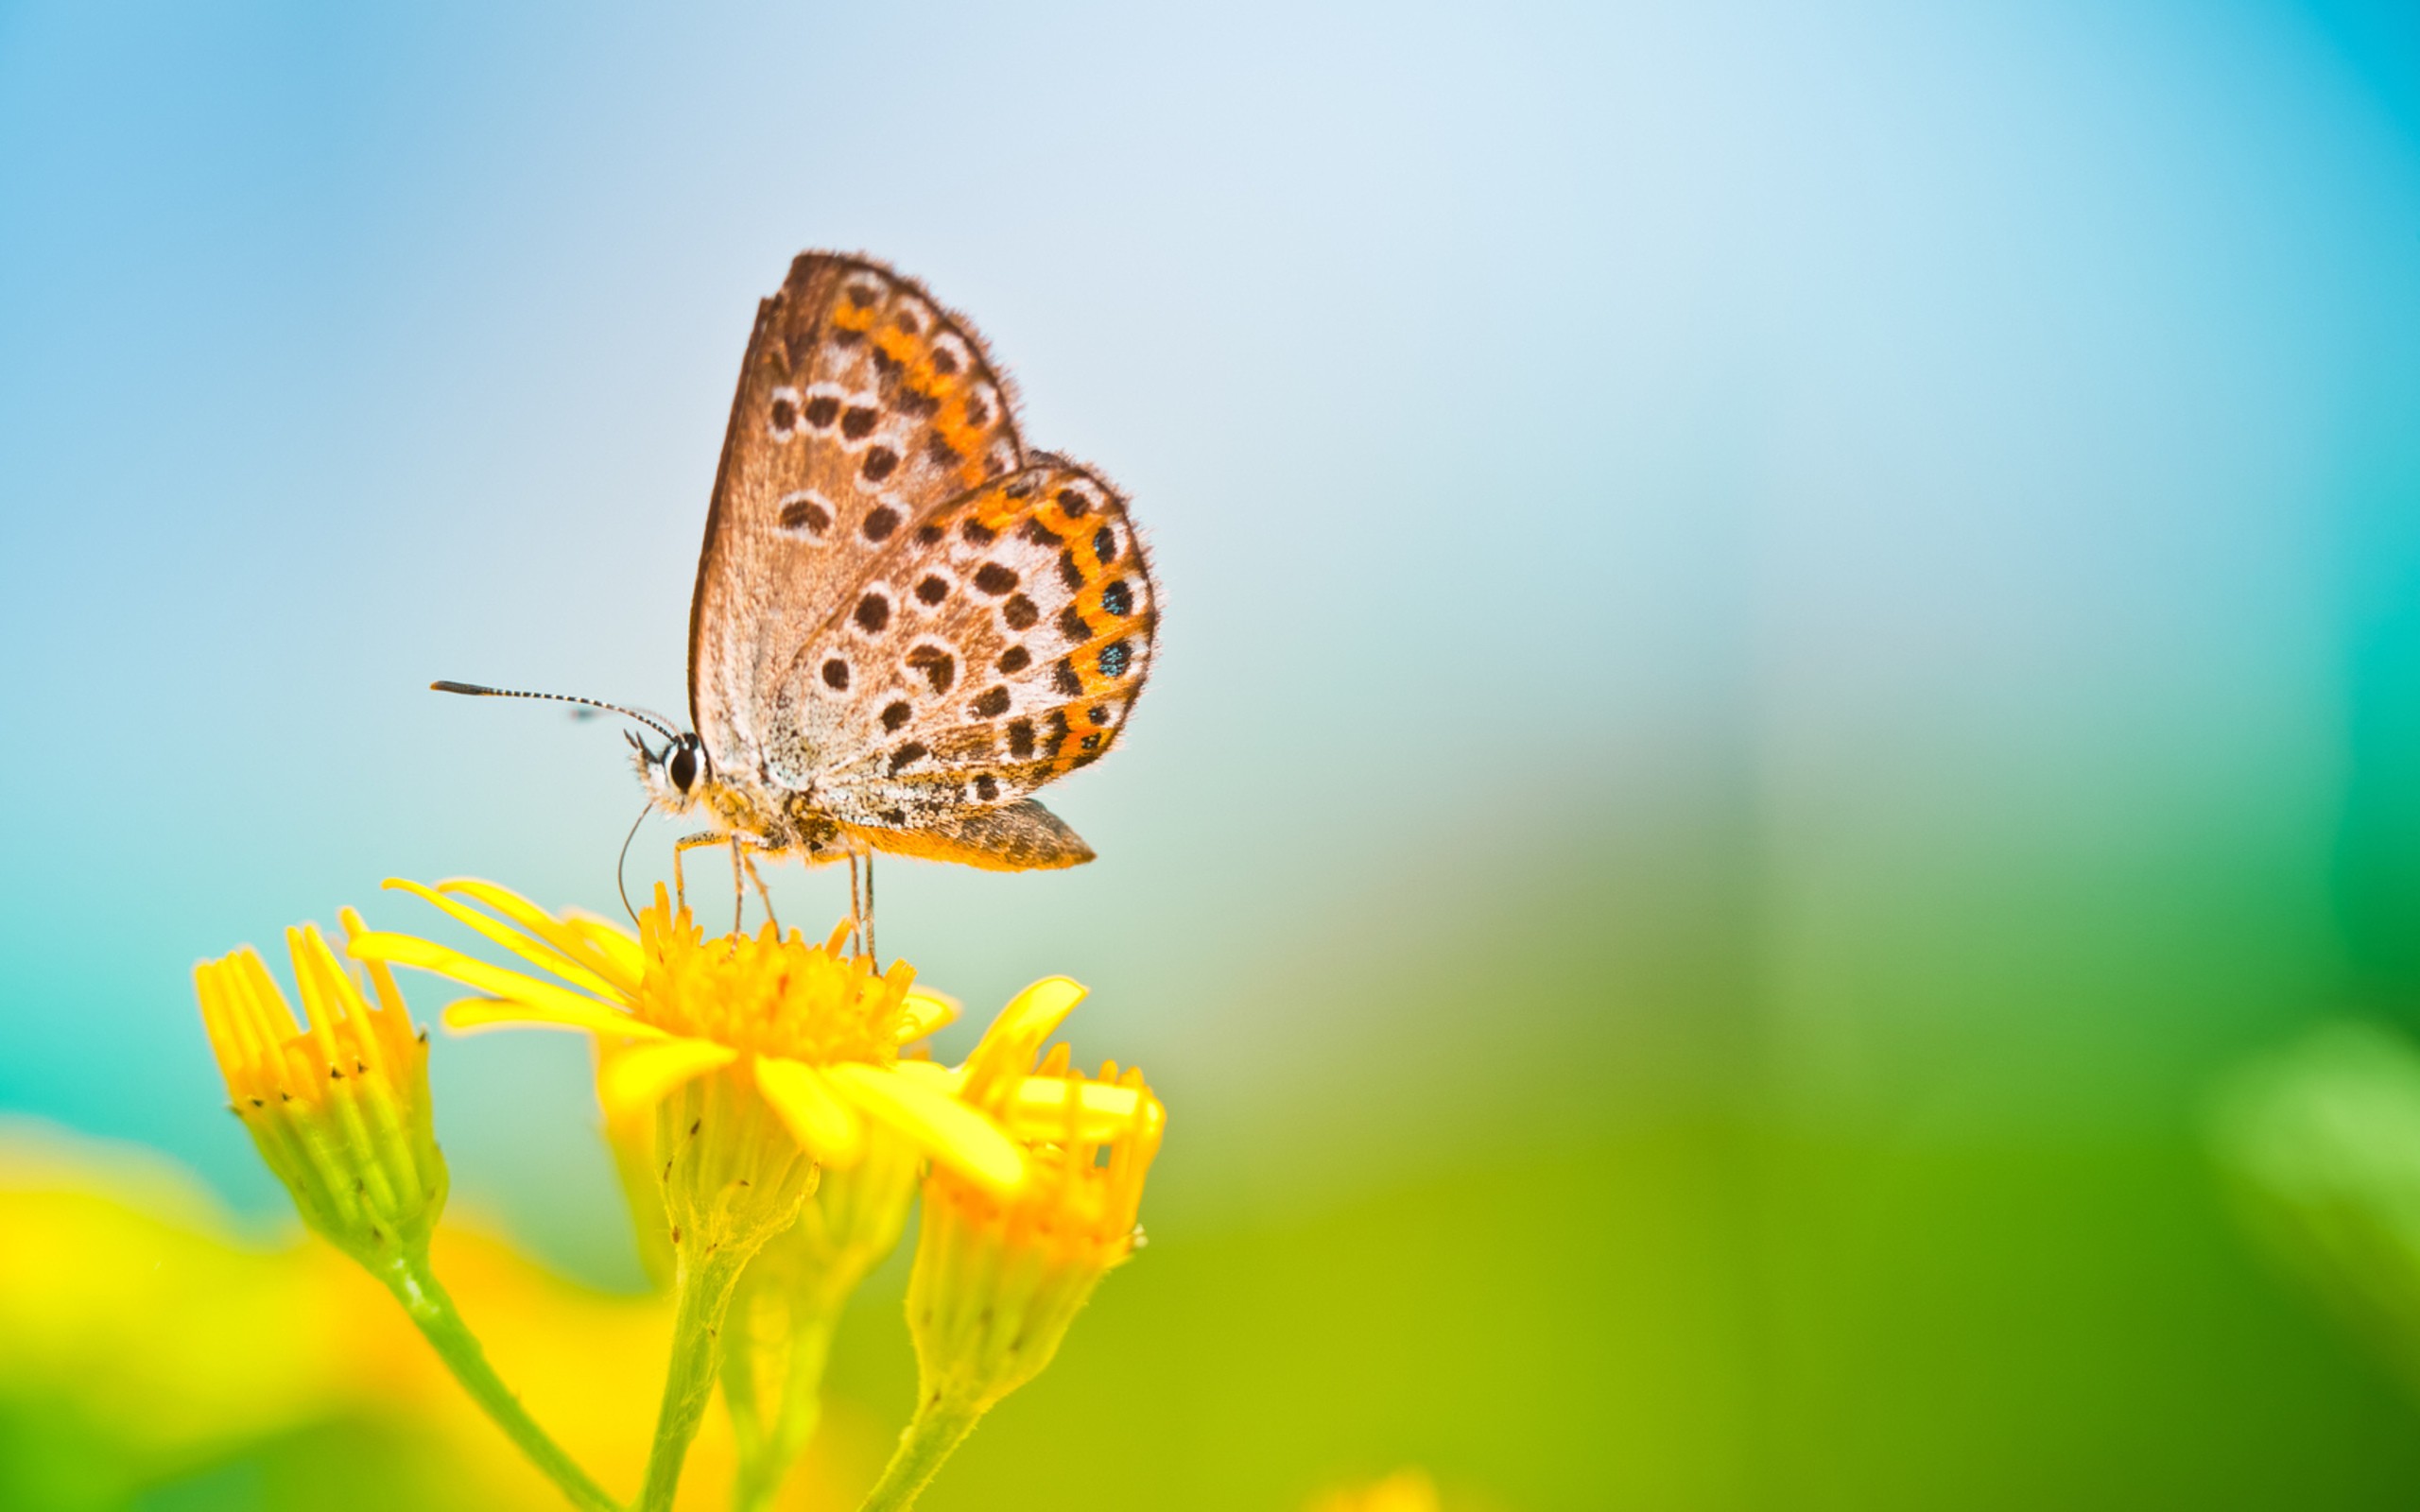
[(1072, 1110), (537, 951), (637, 1077), (470, 1015), (820, 1119), (949, 1130), (390, 999), (563, 934), (948, 1078), (1008, 1047), (410, 950), (621, 952), (924, 1011)]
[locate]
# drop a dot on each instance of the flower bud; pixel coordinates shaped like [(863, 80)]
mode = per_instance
[(339, 1111)]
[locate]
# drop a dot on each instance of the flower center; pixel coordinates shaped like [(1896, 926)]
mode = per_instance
[(770, 995)]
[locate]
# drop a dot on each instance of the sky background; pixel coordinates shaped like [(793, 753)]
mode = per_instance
[(1783, 632)]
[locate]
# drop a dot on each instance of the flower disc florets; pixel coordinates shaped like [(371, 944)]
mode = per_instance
[(767, 993)]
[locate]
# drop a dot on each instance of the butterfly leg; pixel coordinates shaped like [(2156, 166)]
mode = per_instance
[(688, 842), (763, 896), (869, 954), (857, 914), (738, 891)]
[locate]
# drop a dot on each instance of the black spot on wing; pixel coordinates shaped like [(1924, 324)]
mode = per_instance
[(938, 667)]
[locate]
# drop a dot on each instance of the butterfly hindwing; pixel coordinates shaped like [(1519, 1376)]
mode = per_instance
[(862, 406), (1019, 633)]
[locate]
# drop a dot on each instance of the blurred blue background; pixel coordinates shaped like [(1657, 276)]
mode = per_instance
[(1783, 631)]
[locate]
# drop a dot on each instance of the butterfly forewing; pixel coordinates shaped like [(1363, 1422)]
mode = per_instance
[(1015, 635), (863, 406)]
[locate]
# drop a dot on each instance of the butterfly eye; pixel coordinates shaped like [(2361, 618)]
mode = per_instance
[(684, 767)]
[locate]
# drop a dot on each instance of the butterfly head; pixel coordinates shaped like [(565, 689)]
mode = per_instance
[(676, 773)]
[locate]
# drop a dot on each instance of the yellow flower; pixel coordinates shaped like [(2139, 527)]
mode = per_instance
[(999, 1277), (339, 1111), (1403, 1491), (813, 1032)]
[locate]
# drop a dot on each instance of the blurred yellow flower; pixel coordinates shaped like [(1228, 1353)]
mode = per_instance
[(340, 1109), (131, 1307), (1407, 1490), (813, 1031)]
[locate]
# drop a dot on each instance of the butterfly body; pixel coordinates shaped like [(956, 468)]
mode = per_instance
[(905, 622)]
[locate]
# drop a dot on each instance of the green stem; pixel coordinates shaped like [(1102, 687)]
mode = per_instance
[(940, 1426), (763, 1469), (414, 1283), (744, 1341), (704, 1297)]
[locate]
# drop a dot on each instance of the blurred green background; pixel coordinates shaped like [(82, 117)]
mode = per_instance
[(1786, 632)]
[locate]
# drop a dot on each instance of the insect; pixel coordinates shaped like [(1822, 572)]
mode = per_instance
[(905, 622)]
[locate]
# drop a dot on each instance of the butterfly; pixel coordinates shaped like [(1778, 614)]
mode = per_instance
[(905, 622)]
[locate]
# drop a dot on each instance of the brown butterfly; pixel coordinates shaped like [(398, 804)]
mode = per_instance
[(905, 622)]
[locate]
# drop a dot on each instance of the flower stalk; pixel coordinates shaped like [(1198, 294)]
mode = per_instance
[(702, 1296), (414, 1284), (931, 1437)]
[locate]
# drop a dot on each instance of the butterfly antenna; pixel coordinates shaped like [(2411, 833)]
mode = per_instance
[(473, 690), (622, 862)]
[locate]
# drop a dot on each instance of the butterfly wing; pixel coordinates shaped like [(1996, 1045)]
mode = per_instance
[(862, 405), (1018, 644), (999, 646)]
